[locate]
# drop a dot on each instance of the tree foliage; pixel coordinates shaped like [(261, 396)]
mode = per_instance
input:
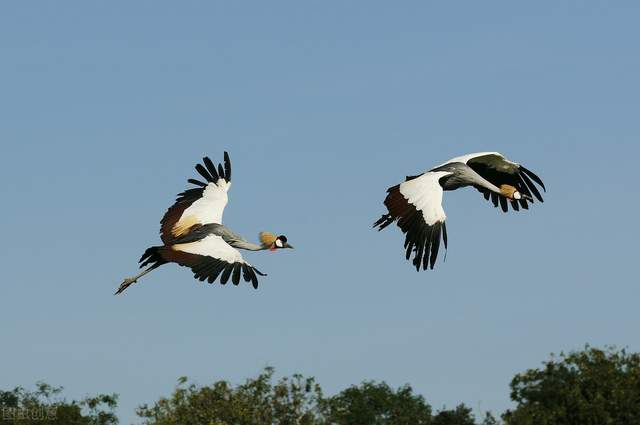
[(295, 401), (377, 404), (290, 401), (461, 415), (589, 387), (45, 406)]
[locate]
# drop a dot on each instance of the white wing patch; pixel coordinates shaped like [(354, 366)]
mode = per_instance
[(467, 157), (210, 207), (425, 193), (212, 246)]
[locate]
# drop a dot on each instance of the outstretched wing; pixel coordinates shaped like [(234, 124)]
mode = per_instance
[(211, 257), (417, 206), (200, 205), (498, 170)]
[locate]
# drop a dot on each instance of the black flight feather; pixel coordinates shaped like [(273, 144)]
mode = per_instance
[(246, 275), (204, 173), (227, 167), (211, 168), (503, 204), (225, 275), (197, 182), (494, 199), (200, 270), (522, 186), (235, 278), (258, 271), (216, 271), (435, 246), (254, 278), (532, 187), (444, 234), (534, 177)]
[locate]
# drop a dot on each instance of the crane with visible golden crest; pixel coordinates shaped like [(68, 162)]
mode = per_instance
[(416, 204), (193, 235)]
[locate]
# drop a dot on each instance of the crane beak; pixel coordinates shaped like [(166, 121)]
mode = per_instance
[(287, 246)]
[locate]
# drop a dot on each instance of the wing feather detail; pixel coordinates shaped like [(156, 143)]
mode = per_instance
[(499, 171), (211, 258), (416, 205), (201, 205)]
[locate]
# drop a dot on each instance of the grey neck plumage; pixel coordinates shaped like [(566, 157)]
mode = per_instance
[(462, 175), (242, 244), (229, 236)]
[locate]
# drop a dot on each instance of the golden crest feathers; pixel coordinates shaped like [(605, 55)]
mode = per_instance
[(508, 190), (267, 238)]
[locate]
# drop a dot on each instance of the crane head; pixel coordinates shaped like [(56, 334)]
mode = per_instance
[(281, 242), (273, 242), (510, 192)]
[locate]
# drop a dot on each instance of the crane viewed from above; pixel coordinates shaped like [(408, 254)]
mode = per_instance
[(417, 203)]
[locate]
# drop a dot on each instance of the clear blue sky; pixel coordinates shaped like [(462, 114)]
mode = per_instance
[(105, 107)]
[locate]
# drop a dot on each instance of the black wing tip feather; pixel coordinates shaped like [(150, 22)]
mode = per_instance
[(204, 173), (516, 204), (422, 240), (197, 182), (531, 186), (514, 175), (258, 271), (249, 275), (213, 268), (226, 274), (211, 173), (227, 166), (190, 195), (383, 221), (424, 243), (235, 278), (526, 187), (503, 204), (534, 177)]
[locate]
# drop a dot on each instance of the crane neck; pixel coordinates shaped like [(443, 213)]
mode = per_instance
[(249, 246)]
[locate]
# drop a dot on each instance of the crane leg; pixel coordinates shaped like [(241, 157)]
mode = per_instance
[(131, 280)]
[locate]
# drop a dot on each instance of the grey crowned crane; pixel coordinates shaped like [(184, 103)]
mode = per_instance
[(416, 204), (193, 235)]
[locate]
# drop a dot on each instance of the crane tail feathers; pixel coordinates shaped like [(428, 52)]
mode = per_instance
[(152, 257)]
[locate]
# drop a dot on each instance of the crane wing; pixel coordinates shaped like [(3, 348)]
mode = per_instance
[(417, 206), (200, 205), (498, 170), (211, 257)]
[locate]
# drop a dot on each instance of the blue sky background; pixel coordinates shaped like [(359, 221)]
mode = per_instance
[(105, 108)]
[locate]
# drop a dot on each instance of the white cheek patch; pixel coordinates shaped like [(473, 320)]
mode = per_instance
[(279, 243), (516, 195)]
